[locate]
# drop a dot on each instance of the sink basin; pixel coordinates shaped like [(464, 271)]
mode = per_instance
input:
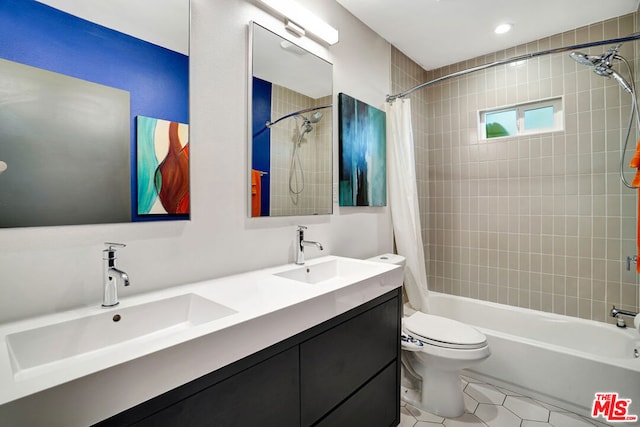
[(327, 270), (56, 342)]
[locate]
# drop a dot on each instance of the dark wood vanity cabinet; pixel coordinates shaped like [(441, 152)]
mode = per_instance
[(343, 372), (338, 362)]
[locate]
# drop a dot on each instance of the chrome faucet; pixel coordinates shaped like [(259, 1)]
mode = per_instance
[(301, 243), (618, 313), (111, 275)]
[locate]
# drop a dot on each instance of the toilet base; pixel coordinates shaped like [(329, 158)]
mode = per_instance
[(441, 394)]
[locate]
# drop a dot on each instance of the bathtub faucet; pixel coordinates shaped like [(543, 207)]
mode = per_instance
[(618, 313)]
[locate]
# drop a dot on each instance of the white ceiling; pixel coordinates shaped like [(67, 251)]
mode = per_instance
[(435, 33)]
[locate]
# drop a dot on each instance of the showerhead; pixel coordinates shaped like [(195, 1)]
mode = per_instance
[(306, 127), (584, 59), (602, 65), (604, 60), (315, 117)]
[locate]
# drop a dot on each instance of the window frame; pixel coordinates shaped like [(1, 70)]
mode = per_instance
[(558, 118)]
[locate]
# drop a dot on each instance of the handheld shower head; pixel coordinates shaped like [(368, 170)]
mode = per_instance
[(621, 81), (306, 127), (609, 72)]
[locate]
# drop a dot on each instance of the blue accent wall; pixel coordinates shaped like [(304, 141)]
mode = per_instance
[(157, 78), (261, 143)]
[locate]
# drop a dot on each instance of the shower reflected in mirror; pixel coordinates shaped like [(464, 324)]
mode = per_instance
[(296, 166)]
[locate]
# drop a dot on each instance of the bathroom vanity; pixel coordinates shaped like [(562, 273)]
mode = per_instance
[(344, 371), (287, 346)]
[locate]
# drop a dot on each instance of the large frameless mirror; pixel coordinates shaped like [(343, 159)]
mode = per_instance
[(94, 112), (291, 128)]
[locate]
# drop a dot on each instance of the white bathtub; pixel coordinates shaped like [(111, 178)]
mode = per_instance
[(557, 359)]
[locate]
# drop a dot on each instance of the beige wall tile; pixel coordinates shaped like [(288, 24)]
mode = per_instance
[(541, 221)]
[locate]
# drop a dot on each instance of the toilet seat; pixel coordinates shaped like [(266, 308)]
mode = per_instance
[(442, 332)]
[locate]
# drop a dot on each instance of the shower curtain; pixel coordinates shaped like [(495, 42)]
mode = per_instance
[(403, 199)]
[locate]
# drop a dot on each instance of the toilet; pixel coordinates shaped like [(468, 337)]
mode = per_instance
[(434, 352)]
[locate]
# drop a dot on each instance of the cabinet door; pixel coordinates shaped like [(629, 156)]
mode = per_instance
[(339, 361), (263, 395)]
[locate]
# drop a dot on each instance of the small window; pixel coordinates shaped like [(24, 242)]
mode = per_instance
[(501, 123), (524, 119), (538, 118)]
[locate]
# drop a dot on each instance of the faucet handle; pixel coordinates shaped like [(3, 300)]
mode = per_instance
[(302, 227), (110, 252), (112, 246)]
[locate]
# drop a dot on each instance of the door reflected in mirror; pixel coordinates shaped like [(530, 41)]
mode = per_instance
[(75, 76), (291, 129)]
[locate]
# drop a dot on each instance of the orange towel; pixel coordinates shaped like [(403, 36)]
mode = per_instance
[(255, 192), (635, 163)]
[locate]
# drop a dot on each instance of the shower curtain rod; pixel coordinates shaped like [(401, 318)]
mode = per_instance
[(631, 37), (297, 113)]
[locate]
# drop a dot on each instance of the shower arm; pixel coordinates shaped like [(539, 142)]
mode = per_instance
[(631, 37), (297, 113)]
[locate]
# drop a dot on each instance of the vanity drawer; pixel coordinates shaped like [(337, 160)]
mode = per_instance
[(265, 394), (341, 360), (373, 405)]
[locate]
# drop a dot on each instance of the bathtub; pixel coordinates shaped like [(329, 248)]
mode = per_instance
[(557, 359)]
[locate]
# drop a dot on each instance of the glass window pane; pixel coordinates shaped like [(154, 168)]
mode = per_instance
[(502, 123), (538, 118)]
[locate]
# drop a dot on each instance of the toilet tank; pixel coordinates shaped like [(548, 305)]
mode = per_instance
[(394, 259)]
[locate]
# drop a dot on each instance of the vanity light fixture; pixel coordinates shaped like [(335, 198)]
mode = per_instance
[(301, 21), (294, 28), (502, 28)]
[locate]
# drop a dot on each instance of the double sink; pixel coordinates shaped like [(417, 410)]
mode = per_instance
[(51, 345)]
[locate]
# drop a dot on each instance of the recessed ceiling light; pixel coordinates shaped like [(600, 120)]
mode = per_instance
[(502, 28)]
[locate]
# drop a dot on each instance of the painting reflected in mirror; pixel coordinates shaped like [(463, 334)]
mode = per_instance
[(74, 83), (291, 129)]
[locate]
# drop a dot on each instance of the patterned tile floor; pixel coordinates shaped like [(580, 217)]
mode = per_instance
[(488, 405)]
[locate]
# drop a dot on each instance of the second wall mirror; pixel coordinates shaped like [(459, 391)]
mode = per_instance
[(291, 128)]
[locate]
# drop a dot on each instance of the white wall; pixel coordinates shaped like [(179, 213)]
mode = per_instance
[(50, 269)]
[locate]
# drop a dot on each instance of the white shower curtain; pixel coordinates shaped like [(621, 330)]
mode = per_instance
[(403, 199)]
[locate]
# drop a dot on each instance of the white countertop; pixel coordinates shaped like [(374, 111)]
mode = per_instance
[(269, 309)]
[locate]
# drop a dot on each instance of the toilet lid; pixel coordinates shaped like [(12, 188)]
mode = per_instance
[(443, 332)]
